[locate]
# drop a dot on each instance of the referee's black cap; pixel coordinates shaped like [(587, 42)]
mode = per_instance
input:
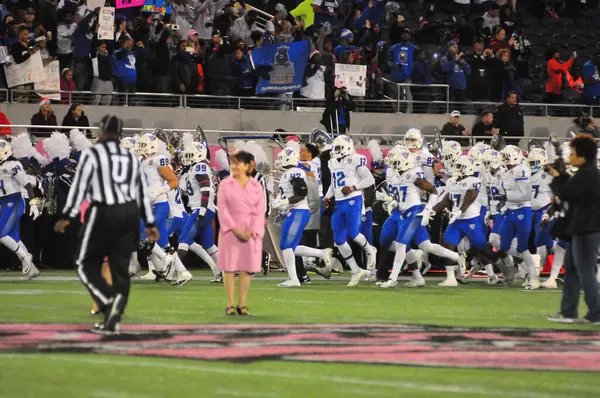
[(111, 124)]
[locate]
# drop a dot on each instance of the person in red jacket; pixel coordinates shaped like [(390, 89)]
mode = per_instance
[(556, 72), (4, 120)]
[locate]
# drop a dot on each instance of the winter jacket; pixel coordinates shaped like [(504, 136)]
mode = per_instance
[(242, 72), (183, 71), (218, 74), (39, 119), (555, 75), (83, 122), (456, 73), (204, 15), (4, 120)]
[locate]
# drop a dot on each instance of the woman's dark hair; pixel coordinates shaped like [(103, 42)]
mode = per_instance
[(74, 106), (312, 148), (243, 157), (585, 146)]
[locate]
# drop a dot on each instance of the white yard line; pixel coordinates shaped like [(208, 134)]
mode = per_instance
[(239, 370), (37, 292)]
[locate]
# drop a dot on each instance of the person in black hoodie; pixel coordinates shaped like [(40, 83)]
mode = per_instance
[(481, 61), (336, 117), (184, 73), (218, 74), (161, 72), (76, 118)]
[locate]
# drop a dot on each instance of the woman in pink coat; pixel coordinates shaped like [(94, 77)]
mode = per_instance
[(241, 207)]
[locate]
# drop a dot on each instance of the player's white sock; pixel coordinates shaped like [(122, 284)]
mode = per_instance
[(362, 242), (557, 262), (543, 252), (438, 250), (392, 248), (16, 247), (416, 275), (489, 269), (290, 263), (346, 253), (200, 252), (305, 251), (450, 272), (179, 267), (398, 260), (529, 265)]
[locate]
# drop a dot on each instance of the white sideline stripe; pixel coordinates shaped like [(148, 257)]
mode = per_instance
[(464, 389), (241, 393), (37, 292)]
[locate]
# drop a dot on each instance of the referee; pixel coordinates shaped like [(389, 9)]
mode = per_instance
[(109, 177)]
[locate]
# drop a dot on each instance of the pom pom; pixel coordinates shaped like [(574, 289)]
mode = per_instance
[(57, 146), (161, 148), (294, 145), (259, 153), (375, 150), (79, 140), (239, 145), (186, 139), (222, 160)]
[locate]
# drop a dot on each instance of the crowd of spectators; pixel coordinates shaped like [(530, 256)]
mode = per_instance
[(483, 49)]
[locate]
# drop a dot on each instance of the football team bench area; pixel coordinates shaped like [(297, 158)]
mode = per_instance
[(323, 340)]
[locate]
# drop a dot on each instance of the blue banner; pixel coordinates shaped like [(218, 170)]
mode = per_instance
[(287, 63)]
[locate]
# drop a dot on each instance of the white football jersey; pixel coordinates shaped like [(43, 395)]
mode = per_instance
[(315, 168), (402, 187), (12, 178), (457, 189), (344, 174), (424, 159), (193, 189), (483, 175), (540, 190), (510, 182), (150, 166), (286, 190), (176, 208), (495, 192)]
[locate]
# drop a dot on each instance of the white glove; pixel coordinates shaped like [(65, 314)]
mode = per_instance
[(35, 208), (454, 215), (427, 215), (391, 206), (279, 202), (381, 195)]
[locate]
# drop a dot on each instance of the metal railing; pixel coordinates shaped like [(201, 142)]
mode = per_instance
[(262, 17), (399, 98)]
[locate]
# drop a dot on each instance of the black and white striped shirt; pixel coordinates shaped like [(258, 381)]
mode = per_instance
[(108, 174), (260, 177)]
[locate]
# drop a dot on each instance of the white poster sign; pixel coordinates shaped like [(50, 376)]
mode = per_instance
[(106, 24), (93, 4), (354, 77), (30, 71), (52, 82)]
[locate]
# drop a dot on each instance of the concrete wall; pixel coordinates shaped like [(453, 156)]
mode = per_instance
[(377, 124)]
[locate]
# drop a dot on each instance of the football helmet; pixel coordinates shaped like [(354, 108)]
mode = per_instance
[(451, 151), (413, 139), (147, 144), (537, 159), (342, 147), (129, 143), (288, 157), (492, 159), (476, 152), (512, 155), (6, 150), (464, 166), (193, 153), (401, 159)]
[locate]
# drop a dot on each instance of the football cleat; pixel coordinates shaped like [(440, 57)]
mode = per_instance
[(148, 277), (182, 279), (493, 280), (389, 284), (328, 258), (113, 314), (559, 318), (290, 283), (306, 280), (31, 272), (549, 284), (325, 272), (372, 259), (509, 275), (217, 279), (266, 261), (533, 285), (415, 283), (356, 277), (448, 283)]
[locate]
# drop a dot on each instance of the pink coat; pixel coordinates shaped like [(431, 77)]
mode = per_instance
[(243, 208)]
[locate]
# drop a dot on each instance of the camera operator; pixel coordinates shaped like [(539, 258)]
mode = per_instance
[(581, 228), (336, 117), (456, 70), (481, 62)]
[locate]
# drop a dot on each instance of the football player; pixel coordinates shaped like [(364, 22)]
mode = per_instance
[(413, 140)]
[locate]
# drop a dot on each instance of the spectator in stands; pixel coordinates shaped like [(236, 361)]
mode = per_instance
[(21, 51), (484, 127), (123, 67), (64, 31), (374, 80), (75, 117), (492, 17), (370, 38), (183, 70), (591, 81), (42, 45), (326, 11), (242, 73), (345, 47), (4, 131), (499, 41), (397, 30), (66, 84), (584, 125), (462, 7), (305, 12), (315, 78), (456, 70), (243, 26), (520, 52), (45, 117), (102, 67), (217, 72), (502, 75), (556, 74), (182, 14), (481, 62), (205, 12), (257, 40), (508, 19), (400, 59), (336, 117), (82, 41), (30, 23), (509, 117), (280, 15), (454, 128), (224, 22), (422, 71)]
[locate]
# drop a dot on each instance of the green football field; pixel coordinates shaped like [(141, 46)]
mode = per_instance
[(322, 340)]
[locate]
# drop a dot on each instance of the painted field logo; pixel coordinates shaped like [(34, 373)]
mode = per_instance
[(378, 344)]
